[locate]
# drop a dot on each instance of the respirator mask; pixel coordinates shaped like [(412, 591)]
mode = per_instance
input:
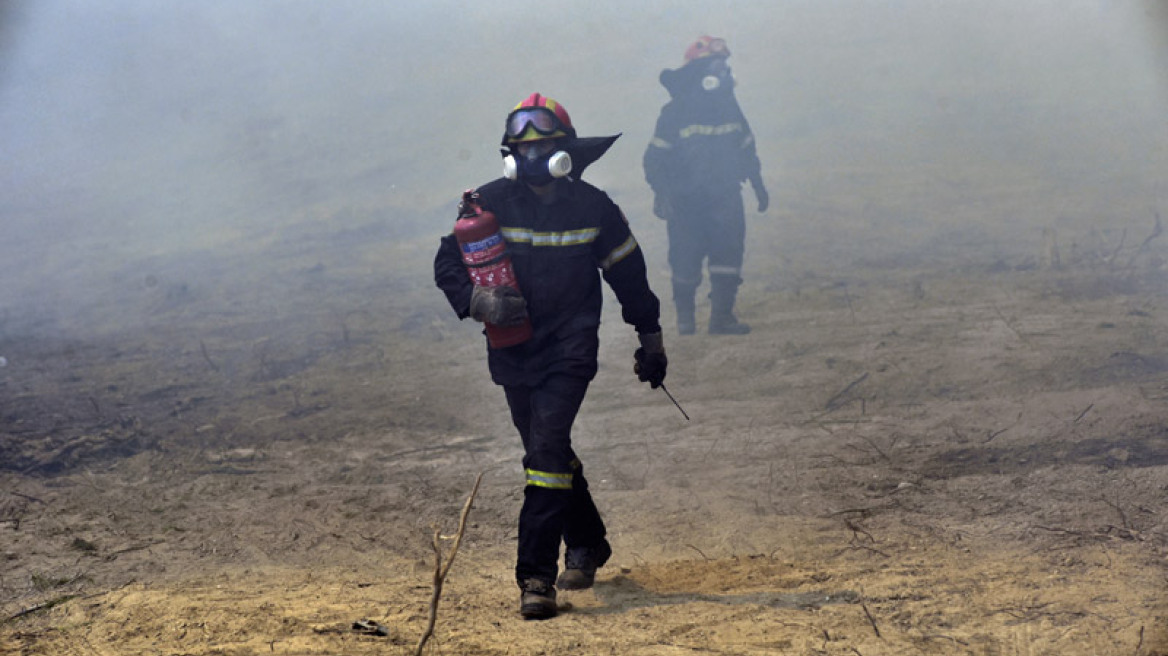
[(536, 163), (718, 75)]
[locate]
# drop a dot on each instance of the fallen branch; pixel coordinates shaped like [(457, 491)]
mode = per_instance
[(700, 553), (1110, 260), (207, 357), (1116, 507), (864, 512), (440, 569), (942, 636), (137, 547), (857, 530), (848, 298), (994, 434), (38, 607), (833, 402), (871, 620), (1157, 230), (877, 449), (858, 546), (1009, 324), (25, 496)]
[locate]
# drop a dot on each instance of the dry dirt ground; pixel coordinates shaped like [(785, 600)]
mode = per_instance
[(907, 456)]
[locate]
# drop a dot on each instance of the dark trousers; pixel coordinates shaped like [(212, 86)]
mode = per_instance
[(556, 502), (706, 227)]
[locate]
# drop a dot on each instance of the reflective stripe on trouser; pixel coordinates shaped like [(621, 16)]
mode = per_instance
[(556, 502), (706, 227), (549, 480)]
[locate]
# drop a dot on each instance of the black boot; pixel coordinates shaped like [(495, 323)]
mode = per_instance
[(538, 600), (580, 565), (683, 300), (723, 290)]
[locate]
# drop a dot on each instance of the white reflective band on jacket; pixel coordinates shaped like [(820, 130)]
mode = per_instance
[(570, 238), (549, 479), (711, 130), (567, 238)]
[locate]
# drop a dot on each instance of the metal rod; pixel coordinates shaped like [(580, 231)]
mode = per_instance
[(674, 401)]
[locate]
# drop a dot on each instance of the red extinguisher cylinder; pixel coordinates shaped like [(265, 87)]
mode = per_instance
[(484, 252)]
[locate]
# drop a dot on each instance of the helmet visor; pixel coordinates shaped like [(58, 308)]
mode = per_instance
[(707, 46), (542, 120)]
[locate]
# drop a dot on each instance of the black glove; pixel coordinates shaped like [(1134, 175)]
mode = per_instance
[(760, 192), (501, 306), (650, 361)]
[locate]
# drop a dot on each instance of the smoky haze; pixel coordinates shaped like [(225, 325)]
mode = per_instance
[(134, 131)]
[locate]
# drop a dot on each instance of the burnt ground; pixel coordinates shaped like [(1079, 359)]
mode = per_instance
[(958, 455)]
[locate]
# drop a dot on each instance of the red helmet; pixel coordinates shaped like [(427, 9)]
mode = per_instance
[(537, 117), (706, 46)]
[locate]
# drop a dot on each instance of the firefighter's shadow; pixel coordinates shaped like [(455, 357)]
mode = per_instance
[(620, 594)]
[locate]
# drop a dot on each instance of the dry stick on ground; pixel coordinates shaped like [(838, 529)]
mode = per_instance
[(45, 605), (848, 298), (1009, 324), (871, 620), (857, 530), (25, 496), (440, 570), (1110, 260), (38, 607), (207, 357), (703, 555), (1117, 508), (834, 402), (877, 449), (1157, 230)]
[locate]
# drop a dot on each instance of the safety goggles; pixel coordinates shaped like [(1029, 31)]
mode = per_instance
[(707, 46), (542, 120)]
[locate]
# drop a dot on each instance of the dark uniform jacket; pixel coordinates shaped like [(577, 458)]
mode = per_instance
[(702, 142), (557, 251)]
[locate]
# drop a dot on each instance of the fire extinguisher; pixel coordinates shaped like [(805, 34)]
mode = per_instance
[(484, 252)]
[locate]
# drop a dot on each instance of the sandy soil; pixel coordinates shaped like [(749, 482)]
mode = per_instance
[(904, 457)]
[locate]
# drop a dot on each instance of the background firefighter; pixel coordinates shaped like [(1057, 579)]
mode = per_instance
[(560, 231), (701, 152)]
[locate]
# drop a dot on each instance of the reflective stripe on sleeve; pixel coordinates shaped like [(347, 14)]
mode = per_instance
[(619, 253), (549, 480), (658, 142)]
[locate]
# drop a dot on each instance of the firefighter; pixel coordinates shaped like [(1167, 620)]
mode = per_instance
[(701, 153), (563, 235)]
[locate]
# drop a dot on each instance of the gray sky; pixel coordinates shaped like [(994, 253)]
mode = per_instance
[(134, 128)]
